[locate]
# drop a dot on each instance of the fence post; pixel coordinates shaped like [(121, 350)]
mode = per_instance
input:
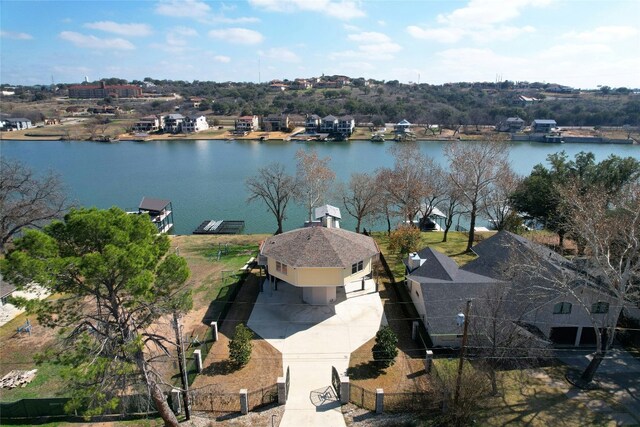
[(379, 400), (282, 391), (214, 325), (414, 330), (176, 396), (344, 390), (428, 361), (197, 355), (244, 401)]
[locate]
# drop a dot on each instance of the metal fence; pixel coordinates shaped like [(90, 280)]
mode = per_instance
[(262, 396), (410, 402), (362, 397), (203, 400)]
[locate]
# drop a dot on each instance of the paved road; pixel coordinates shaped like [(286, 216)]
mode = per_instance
[(312, 340)]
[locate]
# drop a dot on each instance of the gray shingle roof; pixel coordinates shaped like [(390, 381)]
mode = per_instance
[(320, 247), (439, 268)]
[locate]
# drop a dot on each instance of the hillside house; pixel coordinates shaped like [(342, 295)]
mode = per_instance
[(102, 90), (246, 124), (543, 125), (192, 124), (312, 123)]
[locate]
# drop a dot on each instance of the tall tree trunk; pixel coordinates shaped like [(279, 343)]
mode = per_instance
[(446, 232), (590, 370), (358, 226), (279, 230), (472, 225), (162, 406)]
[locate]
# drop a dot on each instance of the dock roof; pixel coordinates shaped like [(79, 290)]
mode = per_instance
[(156, 205)]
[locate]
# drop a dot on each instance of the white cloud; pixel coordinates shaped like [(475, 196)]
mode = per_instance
[(480, 20), (564, 51), (351, 28), (183, 8), (382, 23), (342, 9), (131, 30), (93, 42), (281, 54), (222, 58), (237, 35), (603, 34), (241, 20), (369, 37), (15, 36), (178, 36)]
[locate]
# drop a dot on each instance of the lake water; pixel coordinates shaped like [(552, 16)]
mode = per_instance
[(204, 179)]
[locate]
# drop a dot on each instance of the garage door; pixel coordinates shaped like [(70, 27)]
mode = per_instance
[(564, 335)]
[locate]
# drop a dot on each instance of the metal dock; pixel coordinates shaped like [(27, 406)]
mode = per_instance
[(220, 227)]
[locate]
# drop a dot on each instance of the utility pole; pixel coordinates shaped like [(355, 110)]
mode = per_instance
[(463, 349), (182, 364)]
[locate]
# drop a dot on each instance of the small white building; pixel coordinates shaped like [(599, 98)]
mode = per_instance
[(247, 124), (402, 127), (328, 215), (15, 123)]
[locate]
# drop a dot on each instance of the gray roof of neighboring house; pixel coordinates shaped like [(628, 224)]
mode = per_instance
[(544, 122), (329, 118), (404, 122), (319, 247), (155, 205), (515, 119), (346, 118), (439, 268), (329, 210), (175, 116), (17, 119), (314, 117)]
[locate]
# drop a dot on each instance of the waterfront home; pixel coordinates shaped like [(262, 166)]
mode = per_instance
[(542, 125), (102, 90), (160, 212), (512, 124), (402, 127), (312, 123), (329, 124), (346, 125), (544, 300), (192, 124), (275, 123), (149, 124), (319, 260), (15, 123), (246, 124), (173, 123)]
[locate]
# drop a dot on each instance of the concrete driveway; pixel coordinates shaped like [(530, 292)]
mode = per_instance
[(312, 339)]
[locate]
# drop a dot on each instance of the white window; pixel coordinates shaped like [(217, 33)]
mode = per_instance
[(281, 267), (356, 267)]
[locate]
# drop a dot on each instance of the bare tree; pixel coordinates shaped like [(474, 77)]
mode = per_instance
[(435, 190), (360, 197), (474, 169), (275, 188), (313, 179), (27, 200), (407, 183), (609, 228), (496, 205), (383, 176), (451, 207)]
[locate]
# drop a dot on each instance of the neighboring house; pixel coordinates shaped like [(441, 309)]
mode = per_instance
[(439, 290), (6, 289), (542, 125), (319, 260), (160, 212), (329, 124), (402, 127), (526, 100), (247, 124), (104, 91), (554, 310), (301, 84), (278, 87), (51, 121), (149, 124), (192, 124), (195, 101), (512, 124), (275, 123), (312, 123), (328, 215), (16, 123), (346, 125), (173, 123)]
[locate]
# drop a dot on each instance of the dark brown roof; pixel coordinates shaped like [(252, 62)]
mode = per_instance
[(155, 205), (320, 247)]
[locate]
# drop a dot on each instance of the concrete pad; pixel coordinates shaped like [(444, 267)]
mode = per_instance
[(312, 340)]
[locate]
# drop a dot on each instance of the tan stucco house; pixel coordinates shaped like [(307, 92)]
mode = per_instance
[(319, 260)]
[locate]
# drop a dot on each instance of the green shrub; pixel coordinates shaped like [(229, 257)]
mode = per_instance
[(385, 349), (240, 346)]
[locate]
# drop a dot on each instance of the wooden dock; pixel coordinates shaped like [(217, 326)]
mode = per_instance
[(220, 227)]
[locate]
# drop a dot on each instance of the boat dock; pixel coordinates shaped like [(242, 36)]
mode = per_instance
[(220, 227)]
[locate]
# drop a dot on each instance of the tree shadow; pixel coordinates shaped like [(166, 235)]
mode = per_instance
[(365, 371), (223, 367)]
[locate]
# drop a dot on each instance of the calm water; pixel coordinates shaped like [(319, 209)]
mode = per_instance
[(205, 179)]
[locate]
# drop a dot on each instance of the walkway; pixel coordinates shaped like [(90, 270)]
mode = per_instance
[(312, 339)]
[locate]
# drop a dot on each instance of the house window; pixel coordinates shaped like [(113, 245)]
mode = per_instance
[(562, 308), (600, 307), (356, 267), (281, 267)]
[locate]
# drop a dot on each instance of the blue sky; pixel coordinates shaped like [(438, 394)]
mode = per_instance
[(574, 42)]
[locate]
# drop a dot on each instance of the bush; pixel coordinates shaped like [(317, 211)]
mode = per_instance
[(240, 346), (404, 240), (385, 350)]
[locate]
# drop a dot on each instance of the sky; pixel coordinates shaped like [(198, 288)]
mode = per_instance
[(579, 43)]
